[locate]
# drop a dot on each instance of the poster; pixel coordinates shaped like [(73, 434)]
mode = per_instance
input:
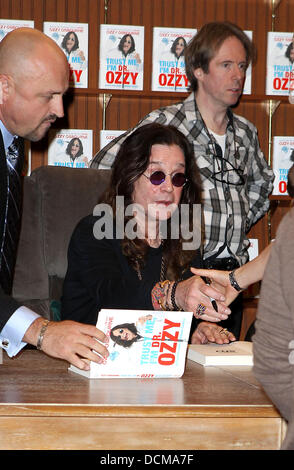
[(283, 159), (107, 136), (280, 58), (121, 57), (253, 248), (70, 147), (9, 25), (72, 38), (247, 83), (168, 62)]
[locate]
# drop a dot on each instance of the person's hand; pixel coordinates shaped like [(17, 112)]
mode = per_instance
[(193, 295), (211, 333), (138, 58), (220, 281), (69, 340), (81, 55), (86, 161), (144, 319)]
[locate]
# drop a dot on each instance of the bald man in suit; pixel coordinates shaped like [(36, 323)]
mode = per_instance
[(33, 79)]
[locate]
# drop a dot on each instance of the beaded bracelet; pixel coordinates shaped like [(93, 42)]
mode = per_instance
[(166, 305), (173, 294), (158, 294)]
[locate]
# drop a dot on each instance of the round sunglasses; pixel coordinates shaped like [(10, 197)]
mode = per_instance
[(158, 177)]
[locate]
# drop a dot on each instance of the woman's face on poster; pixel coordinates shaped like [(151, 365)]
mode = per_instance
[(70, 42), (180, 46), (75, 147), (127, 44)]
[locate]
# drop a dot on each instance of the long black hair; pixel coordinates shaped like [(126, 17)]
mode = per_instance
[(122, 342), (131, 162)]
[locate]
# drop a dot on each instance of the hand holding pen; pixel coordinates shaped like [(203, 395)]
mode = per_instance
[(206, 301), (212, 300)]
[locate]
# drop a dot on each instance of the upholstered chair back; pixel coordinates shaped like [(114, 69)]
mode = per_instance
[(55, 199)]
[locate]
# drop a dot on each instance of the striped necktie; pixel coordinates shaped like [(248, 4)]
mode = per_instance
[(12, 212)]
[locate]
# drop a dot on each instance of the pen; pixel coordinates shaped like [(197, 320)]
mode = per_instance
[(212, 300)]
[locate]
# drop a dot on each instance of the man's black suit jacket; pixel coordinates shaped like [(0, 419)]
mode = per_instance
[(7, 304)]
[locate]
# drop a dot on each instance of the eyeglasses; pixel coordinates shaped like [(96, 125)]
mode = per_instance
[(234, 176), (158, 177)]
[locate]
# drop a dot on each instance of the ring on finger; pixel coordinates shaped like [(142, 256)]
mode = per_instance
[(224, 331), (200, 309)]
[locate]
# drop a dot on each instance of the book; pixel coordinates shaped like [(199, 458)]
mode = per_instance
[(9, 25), (72, 38), (121, 57), (142, 344), (283, 159), (279, 63), (70, 147), (168, 62), (237, 353)]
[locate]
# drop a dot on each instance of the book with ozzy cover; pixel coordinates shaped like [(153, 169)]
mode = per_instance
[(142, 344)]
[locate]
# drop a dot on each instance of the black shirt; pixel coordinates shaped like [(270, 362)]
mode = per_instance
[(99, 276)]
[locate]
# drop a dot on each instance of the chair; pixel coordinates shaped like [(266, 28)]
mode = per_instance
[(55, 199)]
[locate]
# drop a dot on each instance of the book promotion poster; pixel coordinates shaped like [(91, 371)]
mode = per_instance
[(168, 63), (253, 248), (121, 57), (247, 83), (9, 25), (283, 159), (280, 58), (106, 136), (70, 147), (72, 38)]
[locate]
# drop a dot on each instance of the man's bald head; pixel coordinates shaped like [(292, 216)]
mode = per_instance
[(33, 78), (24, 47)]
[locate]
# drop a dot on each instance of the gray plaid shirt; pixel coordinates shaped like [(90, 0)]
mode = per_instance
[(229, 210)]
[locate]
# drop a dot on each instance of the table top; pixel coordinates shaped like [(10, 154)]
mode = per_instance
[(33, 383)]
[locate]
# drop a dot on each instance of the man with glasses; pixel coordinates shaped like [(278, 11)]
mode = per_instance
[(235, 175)]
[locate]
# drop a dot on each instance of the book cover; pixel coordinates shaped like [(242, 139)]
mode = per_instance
[(70, 147), (9, 25), (121, 57), (72, 38), (279, 64), (168, 62), (142, 344), (283, 159), (238, 353), (106, 136)]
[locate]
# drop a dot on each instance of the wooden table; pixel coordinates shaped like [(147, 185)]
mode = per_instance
[(44, 406)]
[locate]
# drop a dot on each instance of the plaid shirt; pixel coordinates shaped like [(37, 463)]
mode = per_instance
[(229, 210)]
